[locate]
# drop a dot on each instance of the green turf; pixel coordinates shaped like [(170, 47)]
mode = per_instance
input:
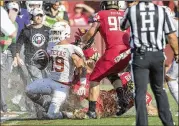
[(128, 119)]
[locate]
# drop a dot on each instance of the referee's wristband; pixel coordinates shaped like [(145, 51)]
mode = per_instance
[(83, 81)]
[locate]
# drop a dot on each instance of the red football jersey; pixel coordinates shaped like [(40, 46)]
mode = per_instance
[(110, 27), (90, 52)]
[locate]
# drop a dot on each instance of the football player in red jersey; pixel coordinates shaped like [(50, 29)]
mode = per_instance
[(107, 103), (117, 53)]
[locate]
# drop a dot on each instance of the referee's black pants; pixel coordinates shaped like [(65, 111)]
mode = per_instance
[(149, 67)]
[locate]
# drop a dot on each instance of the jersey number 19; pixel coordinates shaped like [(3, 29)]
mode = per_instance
[(58, 64)]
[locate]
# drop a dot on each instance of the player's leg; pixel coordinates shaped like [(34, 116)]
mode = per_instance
[(104, 67), (96, 76), (34, 74), (120, 90), (93, 96), (60, 93), (172, 80), (37, 89)]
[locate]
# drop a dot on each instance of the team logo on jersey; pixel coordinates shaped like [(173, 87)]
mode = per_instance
[(38, 40)]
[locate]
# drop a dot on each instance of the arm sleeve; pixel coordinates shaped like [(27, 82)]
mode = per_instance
[(7, 27), (124, 23), (20, 41), (168, 23)]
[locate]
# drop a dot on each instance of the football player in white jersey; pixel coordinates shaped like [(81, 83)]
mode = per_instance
[(65, 59), (172, 73)]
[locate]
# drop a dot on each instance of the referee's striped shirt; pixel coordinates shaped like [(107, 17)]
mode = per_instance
[(149, 25)]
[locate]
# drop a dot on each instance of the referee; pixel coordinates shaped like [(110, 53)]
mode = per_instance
[(149, 25)]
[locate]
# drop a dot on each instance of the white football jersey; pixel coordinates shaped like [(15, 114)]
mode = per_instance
[(63, 67)]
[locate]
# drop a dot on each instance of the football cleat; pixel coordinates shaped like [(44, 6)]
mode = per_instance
[(91, 115)]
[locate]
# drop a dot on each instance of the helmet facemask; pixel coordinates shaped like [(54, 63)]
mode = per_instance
[(33, 4)]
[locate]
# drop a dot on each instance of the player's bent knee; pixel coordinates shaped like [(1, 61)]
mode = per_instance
[(29, 93)]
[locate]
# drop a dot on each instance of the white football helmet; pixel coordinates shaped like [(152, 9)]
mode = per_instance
[(59, 32), (122, 5), (30, 5)]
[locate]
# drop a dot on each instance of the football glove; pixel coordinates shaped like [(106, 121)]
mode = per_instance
[(40, 59)]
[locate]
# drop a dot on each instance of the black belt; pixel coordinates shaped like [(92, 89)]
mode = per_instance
[(143, 50)]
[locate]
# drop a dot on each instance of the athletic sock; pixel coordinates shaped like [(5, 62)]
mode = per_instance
[(92, 106)]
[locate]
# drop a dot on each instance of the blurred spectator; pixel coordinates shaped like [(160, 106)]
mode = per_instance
[(55, 11), (23, 19), (82, 13), (66, 4), (6, 40), (34, 37)]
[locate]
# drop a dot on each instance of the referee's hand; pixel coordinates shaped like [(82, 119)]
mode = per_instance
[(177, 58)]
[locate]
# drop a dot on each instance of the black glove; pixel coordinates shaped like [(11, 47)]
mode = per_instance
[(40, 59)]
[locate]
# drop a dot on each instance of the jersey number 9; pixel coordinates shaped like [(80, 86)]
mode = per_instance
[(114, 23), (58, 64)]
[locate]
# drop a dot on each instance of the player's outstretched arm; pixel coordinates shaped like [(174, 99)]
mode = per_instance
[(91, 32), (80, 65)]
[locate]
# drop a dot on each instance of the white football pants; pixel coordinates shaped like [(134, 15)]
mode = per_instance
[(173, 84), (58, 91)]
